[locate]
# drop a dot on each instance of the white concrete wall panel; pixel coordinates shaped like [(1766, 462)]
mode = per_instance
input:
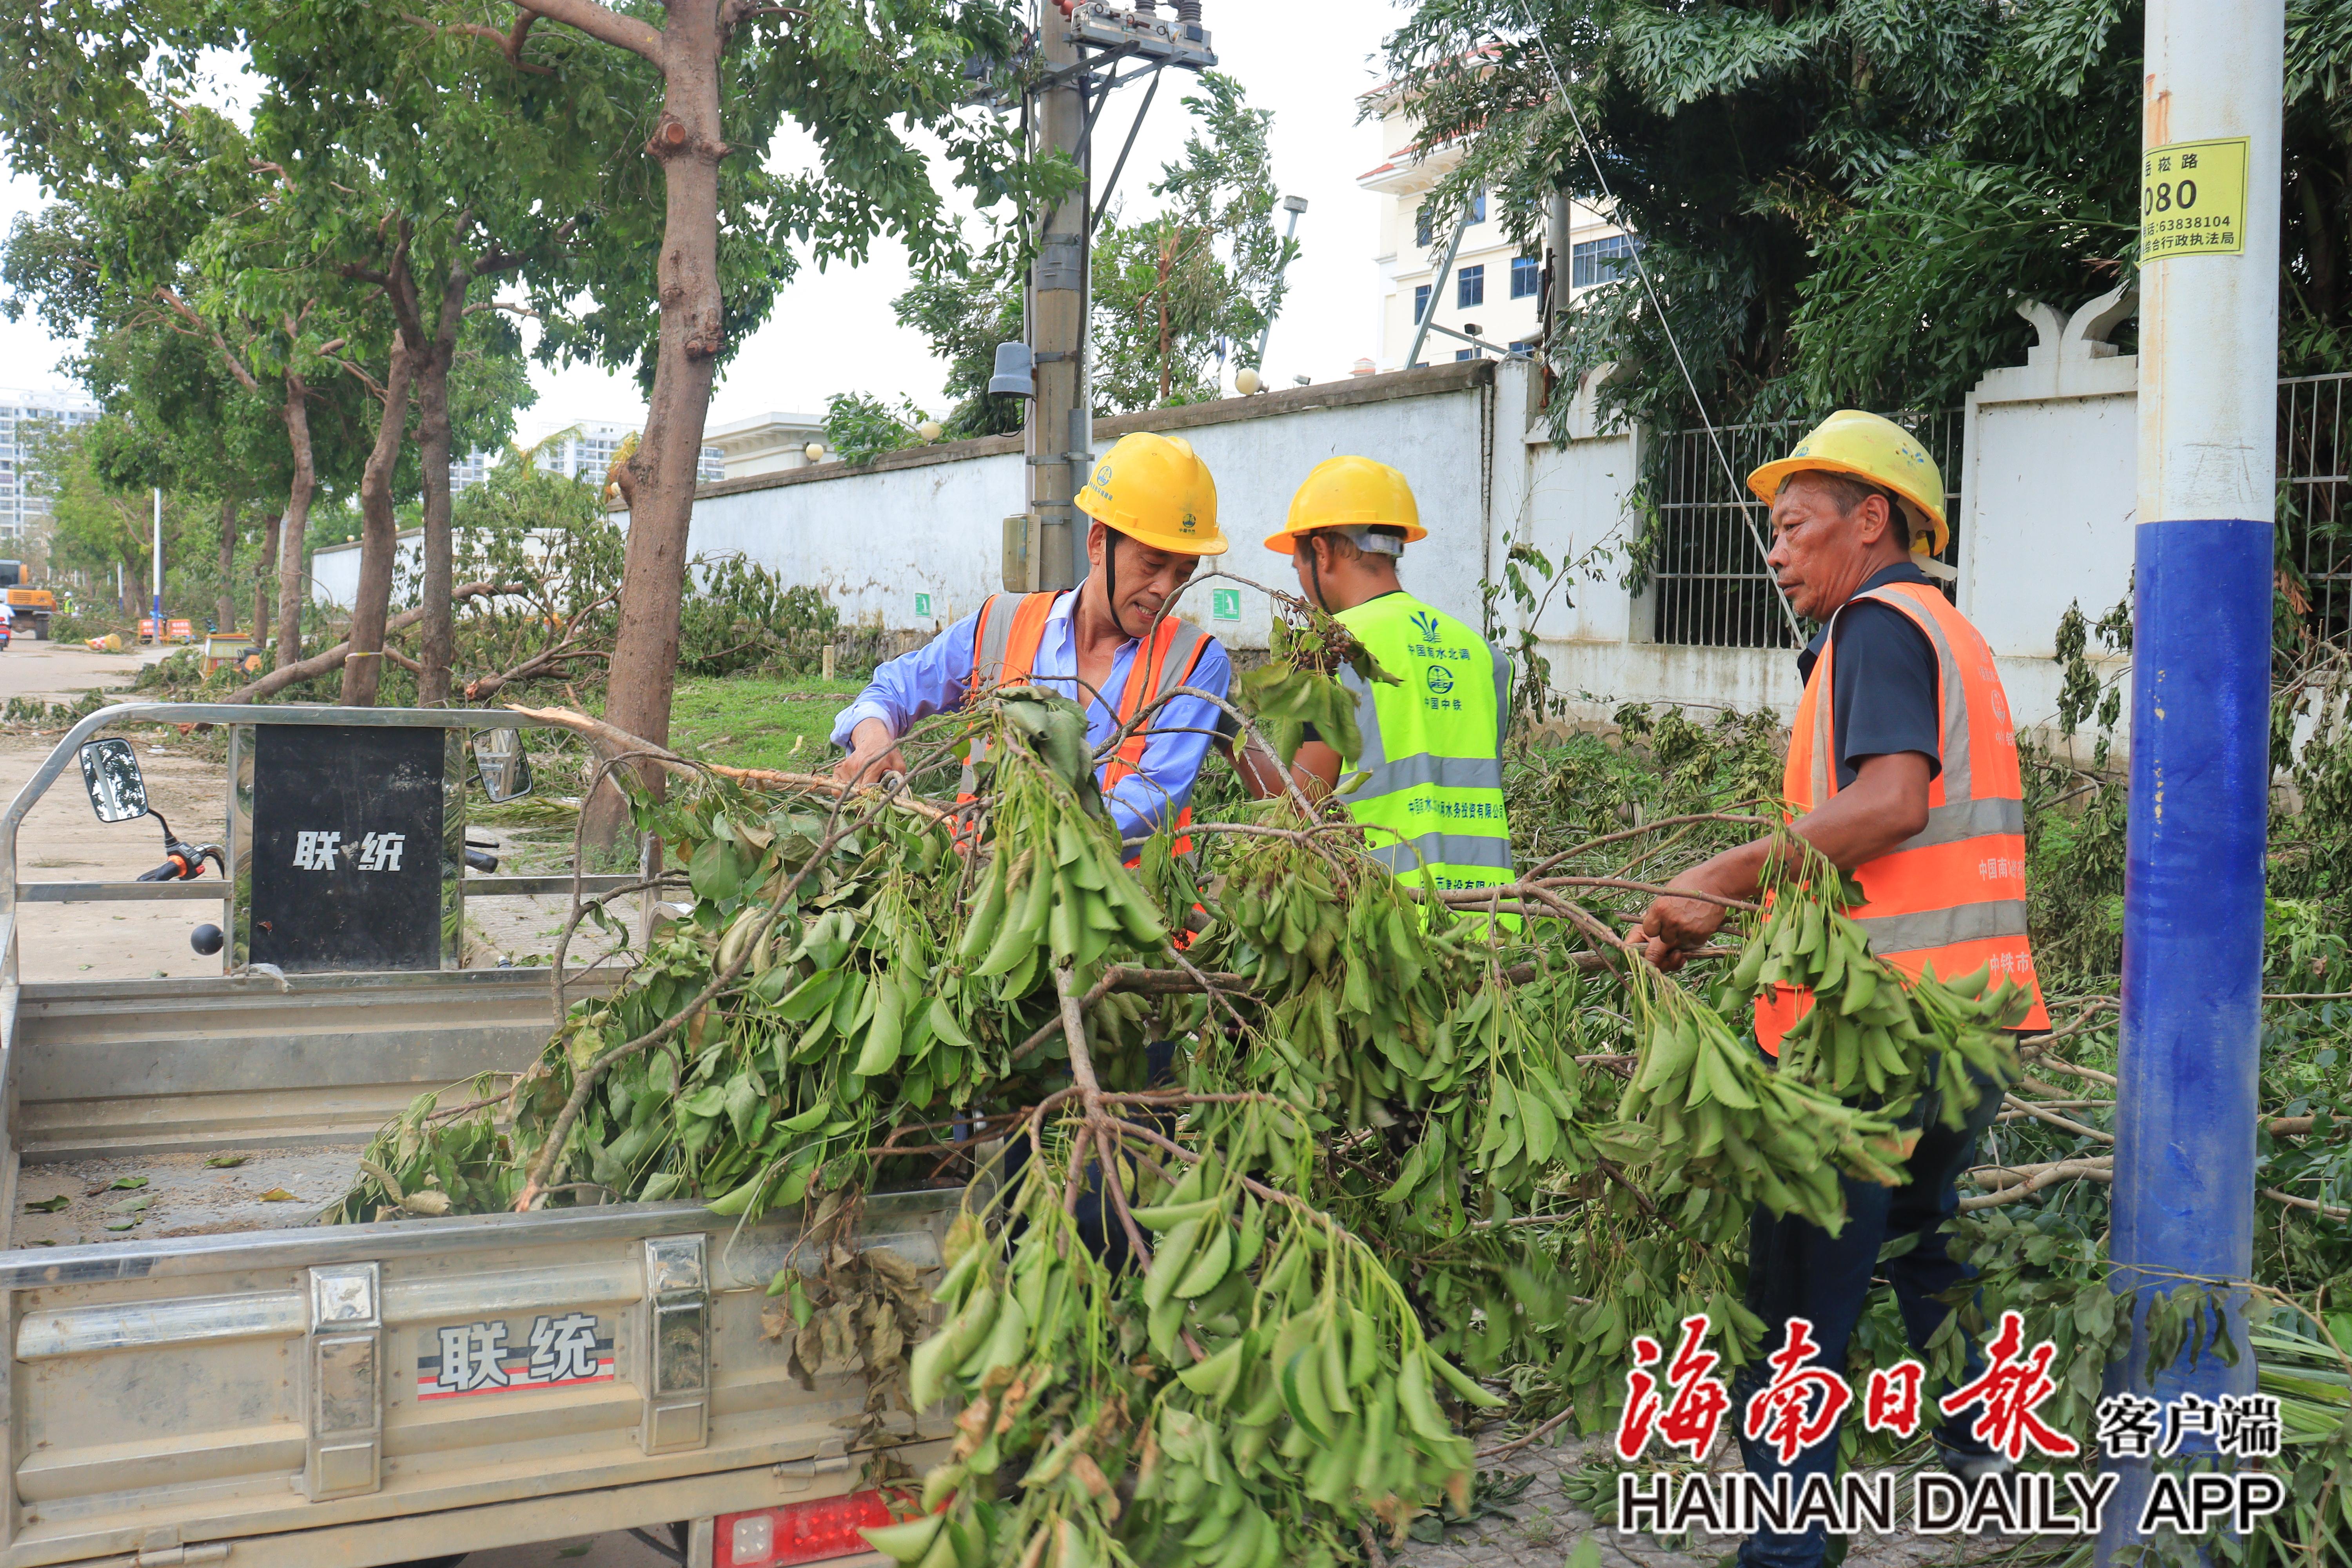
[(930, 522), (2046, 517)]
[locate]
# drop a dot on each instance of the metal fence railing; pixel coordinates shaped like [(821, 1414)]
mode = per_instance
[(2314, 473), (1710, 585)]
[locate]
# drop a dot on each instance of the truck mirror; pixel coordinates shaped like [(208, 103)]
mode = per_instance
[(498, 759), (110, 771)]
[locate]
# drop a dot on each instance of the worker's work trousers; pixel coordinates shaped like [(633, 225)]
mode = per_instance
[(1092, 1214), (1796, 1269)]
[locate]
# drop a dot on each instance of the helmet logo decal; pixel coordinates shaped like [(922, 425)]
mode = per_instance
[(1102, 478), (1189, 523), (1425, 623)]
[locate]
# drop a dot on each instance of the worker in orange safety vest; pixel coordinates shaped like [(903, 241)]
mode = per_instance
[(1902, 769), (1108, 645)]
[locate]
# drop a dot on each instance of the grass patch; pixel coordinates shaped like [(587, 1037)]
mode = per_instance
[(750, 720)]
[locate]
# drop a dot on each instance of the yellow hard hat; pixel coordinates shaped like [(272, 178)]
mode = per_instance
[(1349, 493), (1879, 451), (1153, 489)]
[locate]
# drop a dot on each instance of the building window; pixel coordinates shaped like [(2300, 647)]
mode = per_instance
[(1598, 261), (1467, 354), (713, 467), (1470, 287), (1478, 206), (1527, 277), (1523, 346), (1422, 226), (1420, 302)]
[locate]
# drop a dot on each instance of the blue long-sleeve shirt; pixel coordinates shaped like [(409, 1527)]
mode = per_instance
[(935, 676)]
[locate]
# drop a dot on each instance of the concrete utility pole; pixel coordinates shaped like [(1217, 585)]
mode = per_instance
[(1558, 222), (1059, 426), (1043, 547), (2200, 680)]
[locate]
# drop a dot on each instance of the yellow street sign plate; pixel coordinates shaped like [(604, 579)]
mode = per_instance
[(2192, 199)]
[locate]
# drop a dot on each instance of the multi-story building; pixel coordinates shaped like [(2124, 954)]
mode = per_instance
[(1495, 290), (582, 450), (24, 497), (766, 443)]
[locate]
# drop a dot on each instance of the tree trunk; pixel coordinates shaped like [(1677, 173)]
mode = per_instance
[(645, 652), (296, 526), (379, 530), (261, 572), (225, 602), (438, 637)]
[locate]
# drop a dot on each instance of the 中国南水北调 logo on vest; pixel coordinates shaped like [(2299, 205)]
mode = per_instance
[(1424, 622)]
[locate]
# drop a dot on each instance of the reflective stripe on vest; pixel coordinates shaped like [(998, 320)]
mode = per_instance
[(1431, 753), (1005, 653), (1953, 895)]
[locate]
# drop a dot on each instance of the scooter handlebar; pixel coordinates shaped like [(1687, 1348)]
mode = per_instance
[(187, 862)]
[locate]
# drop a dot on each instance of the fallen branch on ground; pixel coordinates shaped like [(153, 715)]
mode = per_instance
[(2023, 1181), (2063, 1124), (333, 658), (546, 659), (2313, 1204), (1516, 1444)]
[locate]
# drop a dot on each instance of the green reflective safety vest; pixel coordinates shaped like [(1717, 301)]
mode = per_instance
[(1433, 746)]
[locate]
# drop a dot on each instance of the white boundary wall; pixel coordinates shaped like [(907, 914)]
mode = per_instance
[(2046, 522), (930, 521)]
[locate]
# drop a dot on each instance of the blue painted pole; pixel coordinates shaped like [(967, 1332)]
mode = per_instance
[(2200, 680), (157, 611)]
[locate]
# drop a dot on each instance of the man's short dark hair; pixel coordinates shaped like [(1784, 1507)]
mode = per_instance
[(1851, 490)]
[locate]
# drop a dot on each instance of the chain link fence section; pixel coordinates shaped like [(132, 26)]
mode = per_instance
[(1709, 584), (2314, 481)]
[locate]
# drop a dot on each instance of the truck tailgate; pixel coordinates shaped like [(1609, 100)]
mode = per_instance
[(233, 1388)]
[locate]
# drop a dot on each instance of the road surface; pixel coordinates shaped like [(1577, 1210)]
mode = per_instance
[(60, 672)]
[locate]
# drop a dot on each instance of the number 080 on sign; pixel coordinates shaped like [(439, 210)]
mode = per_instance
[(2192, 200)]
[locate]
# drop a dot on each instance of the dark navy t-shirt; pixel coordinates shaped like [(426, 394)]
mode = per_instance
[(1885, 696)]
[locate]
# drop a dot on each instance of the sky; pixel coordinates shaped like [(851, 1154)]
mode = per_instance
[(833, 330)]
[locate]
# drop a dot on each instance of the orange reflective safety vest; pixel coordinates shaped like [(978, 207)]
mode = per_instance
[(1004, 650), (1954, 894)]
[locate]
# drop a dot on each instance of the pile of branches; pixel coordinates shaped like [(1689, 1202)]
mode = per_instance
[(1237, 1303)]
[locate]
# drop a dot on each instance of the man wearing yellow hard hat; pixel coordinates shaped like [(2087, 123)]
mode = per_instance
[(1105, 644), (1902, 769), (1432, 760)]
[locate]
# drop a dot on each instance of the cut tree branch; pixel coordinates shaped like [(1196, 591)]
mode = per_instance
[(510, 43), (2329, 1210), (319, 664), (2054, 1119), (2011, 1183), (603, 24), (614, 740)]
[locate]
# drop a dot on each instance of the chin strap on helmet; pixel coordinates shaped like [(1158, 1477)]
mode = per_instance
[(1110, 583)]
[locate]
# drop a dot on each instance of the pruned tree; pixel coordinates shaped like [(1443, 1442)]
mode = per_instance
[(364, 105), (1173, 293), (1198, 281), (193, 325), (707, 89), (965, 312)]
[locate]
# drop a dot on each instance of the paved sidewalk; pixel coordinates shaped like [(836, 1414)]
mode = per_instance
[(1548, 1526)]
